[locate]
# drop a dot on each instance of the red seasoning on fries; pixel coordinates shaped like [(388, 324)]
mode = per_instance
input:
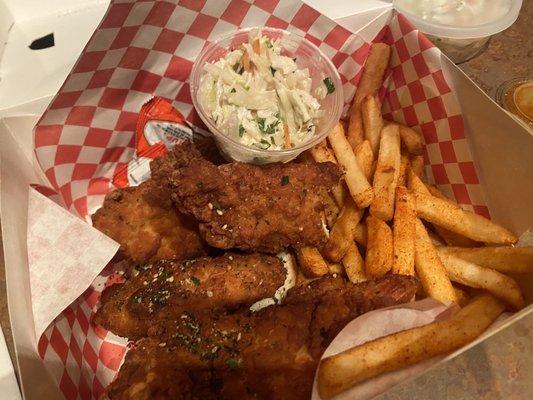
[(356, 181), (387, 173), (399, 350)]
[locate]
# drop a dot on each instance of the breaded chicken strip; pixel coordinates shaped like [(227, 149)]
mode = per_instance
[(162, 291), (147, 226), (270, 354), (254, 208)]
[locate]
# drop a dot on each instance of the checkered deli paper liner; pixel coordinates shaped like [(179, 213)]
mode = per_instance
[(147, 48)]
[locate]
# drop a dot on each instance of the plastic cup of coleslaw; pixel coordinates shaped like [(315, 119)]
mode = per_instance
[(460, 28), (306, 55)]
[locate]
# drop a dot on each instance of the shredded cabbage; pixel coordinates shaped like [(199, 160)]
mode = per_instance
[(260, 97)]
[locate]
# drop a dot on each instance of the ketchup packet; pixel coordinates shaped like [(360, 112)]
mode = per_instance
[(159, 127)]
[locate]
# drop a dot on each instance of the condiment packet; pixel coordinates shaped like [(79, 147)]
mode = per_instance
[(159, 127)]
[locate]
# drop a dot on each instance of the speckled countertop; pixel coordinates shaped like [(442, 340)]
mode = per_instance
[(502, 366)]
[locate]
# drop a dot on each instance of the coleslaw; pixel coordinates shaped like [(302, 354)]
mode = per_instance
[(260, 97)]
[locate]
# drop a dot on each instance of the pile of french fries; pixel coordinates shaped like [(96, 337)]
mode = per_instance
[(392, 221)]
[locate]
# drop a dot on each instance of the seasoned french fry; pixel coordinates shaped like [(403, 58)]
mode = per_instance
[(311, 262), (451, 238), (447, 215), (399, 350), (358, 185), (412, 141), (356, 132), (372, 121), (375, 66), (387, 172), (402, 175), (414, 183), (512, 260), (462, 296), (342, 233), (371, 80), (470, 274), (379, 247), (429, 267), (321, 152), (353, 264), (360, 234), (417, 165), (365, 158), (404, 233)]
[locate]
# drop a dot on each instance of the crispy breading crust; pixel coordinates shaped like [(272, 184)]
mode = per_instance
[(162, 291), (253, 208), (269, 354), (147, 226)]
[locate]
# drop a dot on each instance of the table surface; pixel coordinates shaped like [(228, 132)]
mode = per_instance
[(502, 366)]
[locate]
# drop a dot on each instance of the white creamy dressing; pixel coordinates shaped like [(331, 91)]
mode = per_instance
[(456, 12), (290, 281), (260, 98)]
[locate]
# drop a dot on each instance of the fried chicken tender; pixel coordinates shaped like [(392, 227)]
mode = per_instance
[(249, 207), (163, 290), (270, 354), (147, 226)]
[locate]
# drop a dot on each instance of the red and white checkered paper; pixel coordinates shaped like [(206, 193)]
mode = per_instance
[(147, 48)]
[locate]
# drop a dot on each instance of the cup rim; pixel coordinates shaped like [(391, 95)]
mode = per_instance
[(214, 130)]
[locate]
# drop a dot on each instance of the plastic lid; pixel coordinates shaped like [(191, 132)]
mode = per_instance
[(465, 32)]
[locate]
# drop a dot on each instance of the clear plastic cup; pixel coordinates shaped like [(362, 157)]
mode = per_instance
[(307, 56), (461, 43)]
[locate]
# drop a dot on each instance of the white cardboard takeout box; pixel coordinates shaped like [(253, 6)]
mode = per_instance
[(501, 147)]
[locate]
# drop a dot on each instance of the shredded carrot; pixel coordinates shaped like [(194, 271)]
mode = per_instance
[(246, 62), (256, 45), (286, 137)]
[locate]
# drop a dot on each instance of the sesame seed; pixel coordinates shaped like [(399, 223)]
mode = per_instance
[(301, 228), (239, 336), (145, 283), (171, 279), (219, 212), (210, 206), (225, 226), (231, 258), (162, 344), (209, 293)]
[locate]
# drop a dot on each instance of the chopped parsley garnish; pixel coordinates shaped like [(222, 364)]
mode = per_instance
[(195, 280), (199, 185), (329, 85), (268, 44), (272, 71), (160, 297), (233, 90), (268, 129), (232, 363), (284, 180), (241, 130), (294, 59), (272, 140), (247, 327), (238, 68), (263, 144)]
